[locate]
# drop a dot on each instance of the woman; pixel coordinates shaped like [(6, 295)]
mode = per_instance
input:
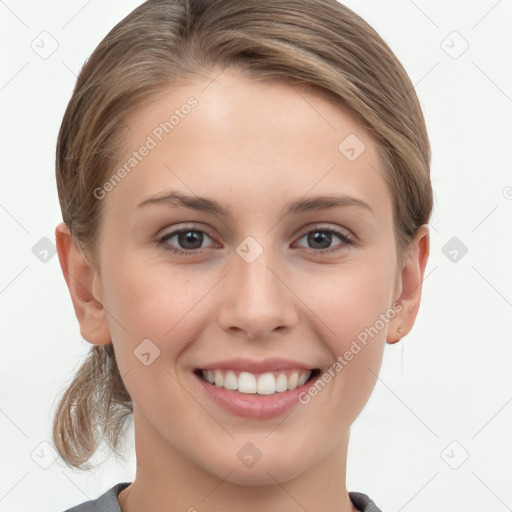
[(245, 191)]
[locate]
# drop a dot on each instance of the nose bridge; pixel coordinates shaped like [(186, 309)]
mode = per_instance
[(257, 278), (256, 300)]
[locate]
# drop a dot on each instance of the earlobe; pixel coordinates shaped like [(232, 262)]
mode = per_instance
[(81, 279), (411, 282)]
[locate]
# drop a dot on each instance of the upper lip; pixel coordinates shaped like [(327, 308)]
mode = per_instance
[(272, 364)]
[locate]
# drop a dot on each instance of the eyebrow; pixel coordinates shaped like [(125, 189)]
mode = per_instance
[(204, 204)]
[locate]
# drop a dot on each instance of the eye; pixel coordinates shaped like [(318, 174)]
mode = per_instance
[(189, 240), (321, 239)]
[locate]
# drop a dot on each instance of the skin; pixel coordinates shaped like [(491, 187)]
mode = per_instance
[(253, 146)]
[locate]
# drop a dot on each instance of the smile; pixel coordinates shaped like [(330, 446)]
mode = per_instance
[(267, 383)]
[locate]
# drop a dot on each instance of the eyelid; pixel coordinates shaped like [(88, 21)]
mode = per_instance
[(191, 226), (326, 227)]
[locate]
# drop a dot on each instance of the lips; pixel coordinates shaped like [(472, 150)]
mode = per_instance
[(272, 364), (255, 389)]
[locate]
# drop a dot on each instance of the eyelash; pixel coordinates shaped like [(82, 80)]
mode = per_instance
[(346, 241)]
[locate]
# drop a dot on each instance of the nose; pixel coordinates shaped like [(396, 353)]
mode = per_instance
[(257, 300)]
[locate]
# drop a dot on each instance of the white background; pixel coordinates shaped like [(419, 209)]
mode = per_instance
[(449, 380)]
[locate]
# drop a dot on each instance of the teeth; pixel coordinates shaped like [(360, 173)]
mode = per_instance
[(262, 384), (281, 383), (302, 379), (219, 379), (292, 380), (266, 384), (230, 381), (246, 383)]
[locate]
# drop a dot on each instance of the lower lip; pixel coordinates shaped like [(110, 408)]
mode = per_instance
[(250, 405)]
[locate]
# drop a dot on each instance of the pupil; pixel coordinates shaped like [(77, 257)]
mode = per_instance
[(319, 237), (190, 237)]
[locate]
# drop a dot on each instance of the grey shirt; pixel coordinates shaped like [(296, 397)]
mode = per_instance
[(107, 502)]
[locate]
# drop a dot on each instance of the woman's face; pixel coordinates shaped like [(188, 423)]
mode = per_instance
[(289, 259)]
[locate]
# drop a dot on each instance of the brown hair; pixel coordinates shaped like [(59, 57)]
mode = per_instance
[(162, 42)]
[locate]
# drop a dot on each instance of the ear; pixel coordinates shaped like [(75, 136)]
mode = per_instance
[(84, 286), (409, 285)]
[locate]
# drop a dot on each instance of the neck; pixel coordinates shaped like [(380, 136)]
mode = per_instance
[(167, 481)]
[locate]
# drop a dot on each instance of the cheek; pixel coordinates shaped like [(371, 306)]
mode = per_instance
[(156, 303), (151, 322), (354, 306), (353, 299), (349, 302)]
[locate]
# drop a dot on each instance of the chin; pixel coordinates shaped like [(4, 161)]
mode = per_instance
[(259, 476), (268, 470)]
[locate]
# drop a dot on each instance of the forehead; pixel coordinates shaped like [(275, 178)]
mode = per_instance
[(244, 137)]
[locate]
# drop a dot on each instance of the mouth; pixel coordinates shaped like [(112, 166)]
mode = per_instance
[(268, 383)]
